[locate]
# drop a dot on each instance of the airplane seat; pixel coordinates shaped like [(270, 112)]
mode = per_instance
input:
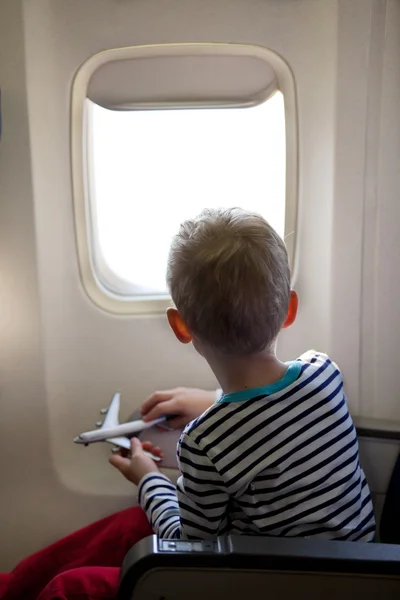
[(238, 567), (389, 530)]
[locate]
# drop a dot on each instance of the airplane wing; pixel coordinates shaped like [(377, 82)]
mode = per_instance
[(112, 417), (121, 441)]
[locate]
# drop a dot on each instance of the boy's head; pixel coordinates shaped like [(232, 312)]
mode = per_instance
[(228, 274)]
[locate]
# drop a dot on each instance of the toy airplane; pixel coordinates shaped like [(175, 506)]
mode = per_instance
[(115, 433)]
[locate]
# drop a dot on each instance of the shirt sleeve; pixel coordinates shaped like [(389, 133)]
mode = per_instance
[(197, 507)]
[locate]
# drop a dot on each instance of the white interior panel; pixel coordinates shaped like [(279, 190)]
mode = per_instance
[(387, 258), (89, 354), (61, 357)]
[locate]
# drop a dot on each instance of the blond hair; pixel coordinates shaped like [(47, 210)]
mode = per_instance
[(229, 278)]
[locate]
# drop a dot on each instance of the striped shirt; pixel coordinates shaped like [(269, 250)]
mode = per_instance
[(279, 460)]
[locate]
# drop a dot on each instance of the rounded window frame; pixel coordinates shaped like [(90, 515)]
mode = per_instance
[(89, 254)]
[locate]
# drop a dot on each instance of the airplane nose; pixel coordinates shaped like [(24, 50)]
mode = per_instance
[(77, 440)]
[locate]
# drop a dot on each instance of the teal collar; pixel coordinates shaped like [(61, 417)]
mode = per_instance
[(292, 373)]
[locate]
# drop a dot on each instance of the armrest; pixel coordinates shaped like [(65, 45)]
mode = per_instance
[(377, 428), (152, 564)]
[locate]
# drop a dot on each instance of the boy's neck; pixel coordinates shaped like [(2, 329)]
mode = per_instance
[(245, 372)]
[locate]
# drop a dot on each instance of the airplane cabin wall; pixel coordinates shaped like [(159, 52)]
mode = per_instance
[(60, 356)]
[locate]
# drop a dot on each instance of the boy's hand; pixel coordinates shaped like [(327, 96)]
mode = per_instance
[(137, 465), (187, 403)]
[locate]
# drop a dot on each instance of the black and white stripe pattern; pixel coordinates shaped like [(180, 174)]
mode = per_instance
[(281, 465)]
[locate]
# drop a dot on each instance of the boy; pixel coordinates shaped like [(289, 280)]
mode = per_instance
[(276, 455)]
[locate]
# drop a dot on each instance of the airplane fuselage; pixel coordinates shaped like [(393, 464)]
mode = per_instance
[(125, 429)]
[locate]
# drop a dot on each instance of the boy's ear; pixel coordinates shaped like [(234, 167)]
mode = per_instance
[(292, 311), (178, 326)]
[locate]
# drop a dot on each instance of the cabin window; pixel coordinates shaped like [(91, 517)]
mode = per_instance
[(150, 167), (153, 169)]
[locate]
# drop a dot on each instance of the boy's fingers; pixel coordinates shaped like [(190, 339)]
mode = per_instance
[(147, 446), (119, 462), (156, 451), (136, 446), (163, 408), (178, 423), (154, 399)]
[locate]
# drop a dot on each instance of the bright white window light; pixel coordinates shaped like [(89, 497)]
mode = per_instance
[(152, 169)]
